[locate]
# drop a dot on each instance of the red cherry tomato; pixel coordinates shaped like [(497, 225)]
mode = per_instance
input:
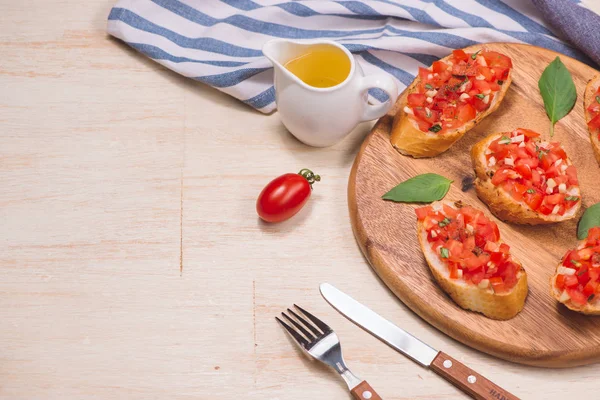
[(284, 196)]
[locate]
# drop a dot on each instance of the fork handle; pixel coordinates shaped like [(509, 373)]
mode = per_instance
[(467, 380), (364, 391)]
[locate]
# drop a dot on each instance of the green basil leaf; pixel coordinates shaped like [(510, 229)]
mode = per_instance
[(590, 219), (428, 86), (474, 55), (435, 128), (444, 222), (530, 191), (558, 91), (424, 188), (597, 99), (480, 96), (444, 252), (500, 82)]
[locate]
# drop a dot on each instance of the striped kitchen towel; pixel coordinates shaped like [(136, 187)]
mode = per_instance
[(219, 42)]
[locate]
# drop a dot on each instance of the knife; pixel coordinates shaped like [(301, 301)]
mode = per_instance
[(455, 372)]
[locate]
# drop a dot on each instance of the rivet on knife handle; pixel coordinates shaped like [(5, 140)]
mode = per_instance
[(468, 380), (364, 391)]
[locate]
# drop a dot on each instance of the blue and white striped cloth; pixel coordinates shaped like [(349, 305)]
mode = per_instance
[(219, 42)]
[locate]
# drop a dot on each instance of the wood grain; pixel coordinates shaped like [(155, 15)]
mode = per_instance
[(116, 172), (544, 333)]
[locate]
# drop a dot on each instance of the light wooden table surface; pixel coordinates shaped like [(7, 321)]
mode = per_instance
[(132, 263)]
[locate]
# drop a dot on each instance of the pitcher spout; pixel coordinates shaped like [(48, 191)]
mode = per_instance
[(280, 51)]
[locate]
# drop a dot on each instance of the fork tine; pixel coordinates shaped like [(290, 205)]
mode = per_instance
[(322, 325), (300, 327), (310, 326), (301, 341)]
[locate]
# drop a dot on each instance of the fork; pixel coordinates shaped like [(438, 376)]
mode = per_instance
[(318, 340)]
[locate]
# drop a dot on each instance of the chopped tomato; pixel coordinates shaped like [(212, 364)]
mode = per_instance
[(534, 172), (487, 73), (424, 73), (426, 114), (423, 211), (466, 76), (450, 212), (416, 100), (439, 66), (501, 175), (572, 174), (482, 102), (468, 243), (523, 169), (465, 68), (560, 282), (460, 55), (594, 122), (496, 60), (482, 86), (576, 296), (533, 200), (466, 113), (497, 284)]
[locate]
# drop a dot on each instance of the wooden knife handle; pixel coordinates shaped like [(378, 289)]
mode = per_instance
[(364, 391), (468, 380)]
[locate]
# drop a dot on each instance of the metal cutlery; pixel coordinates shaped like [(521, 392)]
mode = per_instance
[(461, 376), (318, 340)]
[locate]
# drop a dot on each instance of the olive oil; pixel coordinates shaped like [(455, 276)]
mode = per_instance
[(322, 67)]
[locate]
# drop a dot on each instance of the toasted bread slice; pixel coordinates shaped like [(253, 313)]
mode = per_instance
[(470, 296), (500, 202), (588, 99), (589, 297), (408, 139)]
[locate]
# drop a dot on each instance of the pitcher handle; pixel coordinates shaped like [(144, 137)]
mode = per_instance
[(385, 83)]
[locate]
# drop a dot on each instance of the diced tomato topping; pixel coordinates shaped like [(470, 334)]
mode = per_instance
[(422, 212), (496, 60), (482, 102), (466, 113), (460, 55), (594, 122), (577, 297), (439, 66), (416, 100), (533, 200), (441, 86), (538, 174), (572, 174), (582, 282), (469, 244)]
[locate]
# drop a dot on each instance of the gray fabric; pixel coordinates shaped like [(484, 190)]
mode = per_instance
[(577, 24)]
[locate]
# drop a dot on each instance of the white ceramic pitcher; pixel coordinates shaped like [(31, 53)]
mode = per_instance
[(323, 116)]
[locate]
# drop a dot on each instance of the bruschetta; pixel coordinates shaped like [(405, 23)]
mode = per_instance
[(576, 283), (449, 98), (525, 180), (591, 104), (469, 261)]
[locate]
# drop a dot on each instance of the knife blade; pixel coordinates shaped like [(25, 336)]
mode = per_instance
[(378, 326), (461, 376)]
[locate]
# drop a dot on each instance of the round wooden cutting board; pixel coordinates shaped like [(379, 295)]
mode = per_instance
[(544, 333)]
